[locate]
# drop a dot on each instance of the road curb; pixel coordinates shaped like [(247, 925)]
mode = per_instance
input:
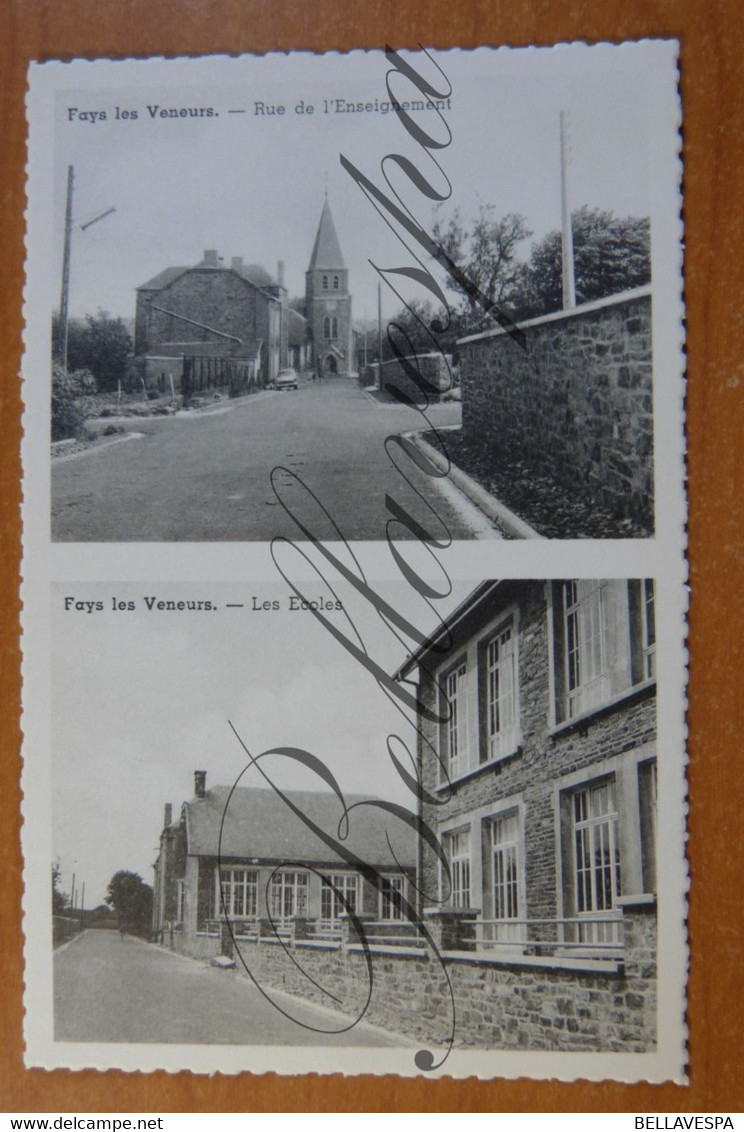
[(60, 456), (493, 508)]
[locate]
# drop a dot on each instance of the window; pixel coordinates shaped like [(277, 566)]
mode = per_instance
[(647, 797), (335, 282), (648, 629), (391, 898), (586, 667), (327, 328), (457, 723), (287, 896), (325, 282), (457, 848), (502, 715), (239, 893), (180, 900), (331, 904), (334, 328), (603, 643), (596, 860), (504, 854)]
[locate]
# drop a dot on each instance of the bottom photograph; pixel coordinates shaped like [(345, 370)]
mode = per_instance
[(293, 816)]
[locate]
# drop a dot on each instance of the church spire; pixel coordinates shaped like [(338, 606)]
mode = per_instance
[(326, 250)]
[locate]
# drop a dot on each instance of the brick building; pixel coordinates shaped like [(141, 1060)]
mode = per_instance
[(538, 742), (328, 303), (244, 855), (213, 311)]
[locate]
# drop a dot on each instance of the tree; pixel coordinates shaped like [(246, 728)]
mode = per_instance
[(486, 252), (69, 393), (610, 255), (422, 329), (100, 344), (131, 899), (60, 899)]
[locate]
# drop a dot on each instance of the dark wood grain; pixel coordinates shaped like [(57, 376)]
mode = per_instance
[(712, 41)]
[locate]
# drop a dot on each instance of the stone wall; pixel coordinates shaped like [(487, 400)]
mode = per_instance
[(576, 403), (514, 1003)]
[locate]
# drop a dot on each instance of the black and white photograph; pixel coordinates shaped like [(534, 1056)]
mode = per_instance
[(444, 849), (295, 271), (354, 581)]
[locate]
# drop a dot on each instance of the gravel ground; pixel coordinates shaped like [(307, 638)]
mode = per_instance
[(547, 506)]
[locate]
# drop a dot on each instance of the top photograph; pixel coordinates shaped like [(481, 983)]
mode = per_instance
[(377, 296)]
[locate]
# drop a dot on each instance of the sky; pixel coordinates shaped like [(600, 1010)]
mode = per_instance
[(141, 699), (253, 185)]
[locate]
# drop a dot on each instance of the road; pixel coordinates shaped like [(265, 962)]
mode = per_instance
[(207, 476), (108, 989)]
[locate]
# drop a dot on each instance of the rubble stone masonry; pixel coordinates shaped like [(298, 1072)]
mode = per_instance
[(576, 403), (499, 1004)]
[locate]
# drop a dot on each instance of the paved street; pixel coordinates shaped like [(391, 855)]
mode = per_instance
[(207, 476), (108, 989)]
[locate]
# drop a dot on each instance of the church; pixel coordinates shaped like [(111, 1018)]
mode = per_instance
[(215, 316), (328, 302)]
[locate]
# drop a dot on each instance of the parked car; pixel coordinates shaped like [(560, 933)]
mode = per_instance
[(286, 379)]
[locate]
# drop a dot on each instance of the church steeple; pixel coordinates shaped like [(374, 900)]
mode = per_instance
[(328, 302), (326, 250)]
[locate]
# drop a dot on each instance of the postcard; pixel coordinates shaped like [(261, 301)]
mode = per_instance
[(354, 578)]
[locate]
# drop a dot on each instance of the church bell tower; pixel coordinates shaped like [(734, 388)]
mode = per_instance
[(328, 302)]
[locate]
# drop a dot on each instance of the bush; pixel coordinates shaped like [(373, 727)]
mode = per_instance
[(69, 393)]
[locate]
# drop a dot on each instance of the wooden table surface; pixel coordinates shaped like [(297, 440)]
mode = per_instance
[(711, 33)]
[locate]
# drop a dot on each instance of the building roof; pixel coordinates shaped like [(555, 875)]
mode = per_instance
[(326, 250), (259, 825), (162, 279), (296, 327), (443, 636), (255, 273)]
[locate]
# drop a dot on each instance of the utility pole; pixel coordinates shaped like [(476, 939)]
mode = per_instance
[(379, 333), (567, 254), (65, 296), (64, 302)]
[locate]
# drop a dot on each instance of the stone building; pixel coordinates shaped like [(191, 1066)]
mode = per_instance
[(245, 856), (328, 302), (212, 311), (538, 742), (528, 920)]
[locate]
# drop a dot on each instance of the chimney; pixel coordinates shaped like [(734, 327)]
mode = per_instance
[(210, 258), (200, 783), (168, 816), (280, 272), (237, 263)]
